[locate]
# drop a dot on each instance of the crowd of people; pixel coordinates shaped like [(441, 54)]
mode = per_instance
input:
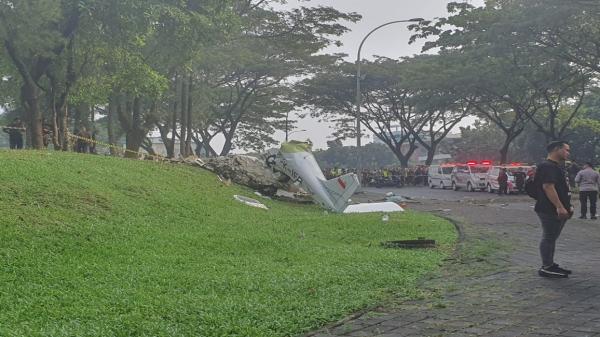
[(385, 177)]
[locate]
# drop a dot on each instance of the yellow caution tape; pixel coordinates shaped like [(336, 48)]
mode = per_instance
[(93, 141), (13, 128), (117, 148)]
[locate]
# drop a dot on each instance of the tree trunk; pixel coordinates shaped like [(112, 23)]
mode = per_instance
[(199, 146), (511, 135), (164, 136), (60, 92), (404, 158), (81, 116), (134, 139), (63, 127), (430, 155), (111, 133), (188, 139), (203, 142), (147, 146), (403, 162), (92, 130), (135, 133), (171, 147), (55, 128), (504, 153), (30, 94), (183, 120), (227, 146)]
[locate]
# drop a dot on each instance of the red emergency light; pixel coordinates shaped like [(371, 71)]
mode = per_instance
[(471, 163), (486, 162), (516, 164)]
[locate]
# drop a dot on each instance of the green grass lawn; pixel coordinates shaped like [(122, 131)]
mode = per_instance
[(98, 246)]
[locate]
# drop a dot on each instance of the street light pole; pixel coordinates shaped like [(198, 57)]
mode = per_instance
[(358, 74)]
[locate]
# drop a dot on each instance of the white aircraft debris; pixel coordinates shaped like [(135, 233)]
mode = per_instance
[(250, 202), (295, 160)]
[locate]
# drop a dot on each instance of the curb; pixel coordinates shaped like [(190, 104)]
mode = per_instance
[(457, 225)]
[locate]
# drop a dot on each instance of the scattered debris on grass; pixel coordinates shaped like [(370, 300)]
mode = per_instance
[(410, 244), (250, 202)]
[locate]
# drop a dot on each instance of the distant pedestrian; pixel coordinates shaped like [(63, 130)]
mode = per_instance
[(92, 143), (82, 143), (502, 181), (15, 134), (553, 205), (46, 134), (520, 181), (588, 180)]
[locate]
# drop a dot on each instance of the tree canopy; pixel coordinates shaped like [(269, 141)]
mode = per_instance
[(196, 70)]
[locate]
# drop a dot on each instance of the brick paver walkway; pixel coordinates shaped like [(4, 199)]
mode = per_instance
[(499, 294)]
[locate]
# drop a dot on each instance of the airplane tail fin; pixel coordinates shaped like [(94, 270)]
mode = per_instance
[(340, 189)]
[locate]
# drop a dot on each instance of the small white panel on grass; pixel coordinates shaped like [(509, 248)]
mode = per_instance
[(249, 201), (387, 207)]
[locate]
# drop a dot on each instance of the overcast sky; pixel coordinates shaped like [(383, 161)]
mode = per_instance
[(390, 41)]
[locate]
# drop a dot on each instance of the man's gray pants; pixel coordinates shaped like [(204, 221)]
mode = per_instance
[(552, 226)]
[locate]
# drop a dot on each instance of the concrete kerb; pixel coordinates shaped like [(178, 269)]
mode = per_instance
[(457, 225)]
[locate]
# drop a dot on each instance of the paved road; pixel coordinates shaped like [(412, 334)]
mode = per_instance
[(498, 292), (444, 195)]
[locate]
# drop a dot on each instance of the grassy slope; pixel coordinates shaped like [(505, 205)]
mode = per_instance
[(97, 246)]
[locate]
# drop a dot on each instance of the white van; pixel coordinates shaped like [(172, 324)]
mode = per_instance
[(492, 180), (470, 177), (516, 184), (440, 176)]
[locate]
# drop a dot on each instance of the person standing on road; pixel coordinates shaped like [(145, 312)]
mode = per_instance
[(588, 180), (82, 144), (502, 182), (553, 205)]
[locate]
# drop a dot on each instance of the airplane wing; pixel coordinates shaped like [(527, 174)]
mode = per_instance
[(379, 207)]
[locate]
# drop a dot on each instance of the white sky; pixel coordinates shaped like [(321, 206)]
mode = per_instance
[(390, 41)]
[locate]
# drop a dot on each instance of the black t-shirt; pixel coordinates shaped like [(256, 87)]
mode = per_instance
[(550, 172)]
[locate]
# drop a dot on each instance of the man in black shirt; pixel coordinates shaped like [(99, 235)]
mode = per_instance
[(15, 134), (553, 205)]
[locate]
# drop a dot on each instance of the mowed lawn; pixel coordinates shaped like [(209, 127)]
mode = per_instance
[(100, 246)]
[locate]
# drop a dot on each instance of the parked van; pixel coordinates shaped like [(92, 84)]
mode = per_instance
[(470, 177), (440, 176)]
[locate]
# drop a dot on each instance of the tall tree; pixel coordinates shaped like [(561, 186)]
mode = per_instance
[(387, 109), (537, 80), (439, 97), (251, 78), (35, 47), (568, 30)]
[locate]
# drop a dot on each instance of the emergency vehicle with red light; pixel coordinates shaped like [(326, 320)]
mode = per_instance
[(471, 176), (440, 176)]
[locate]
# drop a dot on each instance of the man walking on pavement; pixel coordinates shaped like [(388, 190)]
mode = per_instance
[(588, 180), (553, 205)]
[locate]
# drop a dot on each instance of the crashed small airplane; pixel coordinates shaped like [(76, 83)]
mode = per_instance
[(295, 160)]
